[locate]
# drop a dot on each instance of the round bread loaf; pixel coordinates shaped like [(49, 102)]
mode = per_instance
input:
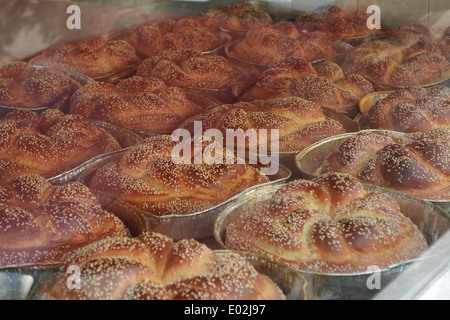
[(154, 267), (49, 143), (412, 109), (23, 85), (96, 58), (329, 225), (39, 223), (150, 178), (135, 103), (413, 163)]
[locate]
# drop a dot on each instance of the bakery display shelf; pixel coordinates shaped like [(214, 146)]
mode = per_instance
[(309, 160), (431, 220), (198, 225)]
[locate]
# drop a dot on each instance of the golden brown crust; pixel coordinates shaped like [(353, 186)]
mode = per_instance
[(192, 69), (413, 163), (412, 109), (135, 103), (241, 16), (270, 44), (349, 25), (175, 34), (324, 84), (154, 267), (95, 58), (23, 85), (330, 224), (39, 222), (383, 63), (48, 143), (300, 122), (147, 177)]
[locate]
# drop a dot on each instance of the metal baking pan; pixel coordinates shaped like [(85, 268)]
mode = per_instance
[(15, 286), (112, 77), (291, 282), (431, 220), (61, 104), (310, 159), (198, 225), (126, 138)]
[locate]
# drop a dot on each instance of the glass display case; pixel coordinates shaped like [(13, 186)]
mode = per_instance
[(415, 53)]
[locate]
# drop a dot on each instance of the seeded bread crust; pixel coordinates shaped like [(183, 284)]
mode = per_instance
[(39, 223), (414, 163), (329, 225), (154, 267)]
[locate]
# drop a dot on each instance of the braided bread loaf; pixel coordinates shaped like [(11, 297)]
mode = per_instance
[(413, 39), (48, 143), (39, 223), (413, 163), (330, 224), (349, 25), (444, 43), (322, 13), (300, 122), (175, 34), (241, 16), (324, 84), (95, 58), (154, 267), (135, 103), (147, 177), (23, 85), (385, 64), (269, 44), (192, 69), (412, 109)]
